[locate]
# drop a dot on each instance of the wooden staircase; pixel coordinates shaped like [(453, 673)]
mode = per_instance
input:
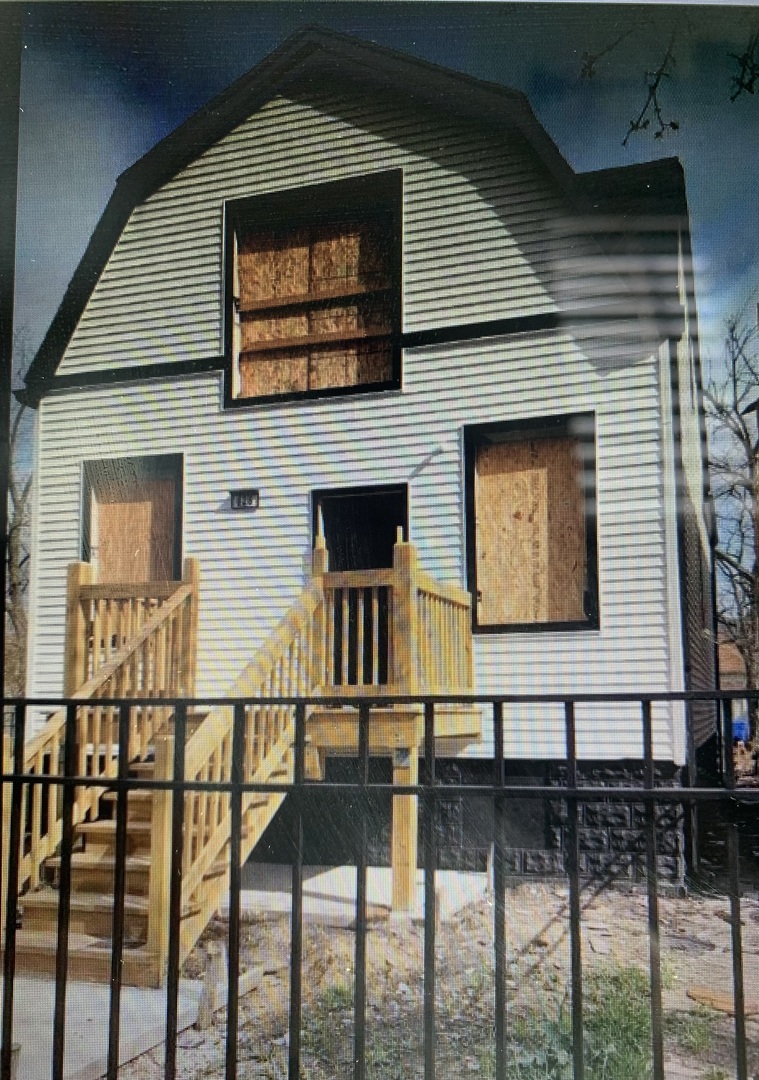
[(393, 631)]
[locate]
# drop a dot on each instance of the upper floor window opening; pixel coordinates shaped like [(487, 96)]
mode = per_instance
[(314, 290)]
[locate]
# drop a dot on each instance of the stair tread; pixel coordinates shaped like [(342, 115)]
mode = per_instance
[(87, 901), (46, 941), (134, 794), (84, 859), (108, 827)]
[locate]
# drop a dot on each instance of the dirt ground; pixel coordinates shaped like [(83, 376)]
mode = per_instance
[(696, 975)]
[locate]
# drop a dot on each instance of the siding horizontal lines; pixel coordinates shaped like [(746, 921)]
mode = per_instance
[(112, 299), (188, 227), (136, 332)]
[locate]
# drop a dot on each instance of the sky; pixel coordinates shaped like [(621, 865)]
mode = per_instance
[(102, 83)]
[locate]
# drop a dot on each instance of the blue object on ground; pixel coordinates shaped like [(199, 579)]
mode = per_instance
[(740, 728)]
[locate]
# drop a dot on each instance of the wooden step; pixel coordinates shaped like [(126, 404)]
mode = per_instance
[(89, 958), (102, 833), (91, 913), (142, 770), (93, 873), (139, 804)]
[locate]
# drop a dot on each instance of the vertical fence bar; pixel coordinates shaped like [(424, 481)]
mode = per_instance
[(734, 881), (573, 859), (359, 994), (499, 894), (10, 884), (119, 890), (652, 885), (64, 891), (430, 861), (296, 911), (175, 892), (235, 883)]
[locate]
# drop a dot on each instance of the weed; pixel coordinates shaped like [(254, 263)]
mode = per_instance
[(692, 1030), (617, 1033), (336, 997), (715, 1074)]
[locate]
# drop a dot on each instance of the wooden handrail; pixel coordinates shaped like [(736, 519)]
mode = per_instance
[(282, 667), (157, 659)]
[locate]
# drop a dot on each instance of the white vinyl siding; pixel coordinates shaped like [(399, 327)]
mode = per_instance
[(253, 565)]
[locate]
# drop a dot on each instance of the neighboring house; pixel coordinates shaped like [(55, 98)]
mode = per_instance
[(365, 293)]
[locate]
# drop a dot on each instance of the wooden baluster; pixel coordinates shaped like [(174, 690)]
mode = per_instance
[(375, 636), (330, 602), (180, 672), (160, 661), (360, 666), (345, 605)]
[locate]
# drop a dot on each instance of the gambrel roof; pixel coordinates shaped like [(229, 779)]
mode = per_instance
[(317, 54)]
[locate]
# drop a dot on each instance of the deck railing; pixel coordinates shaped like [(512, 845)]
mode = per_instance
[(394, 629)]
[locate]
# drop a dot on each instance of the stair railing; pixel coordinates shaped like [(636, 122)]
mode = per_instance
[(131, 641), (282, 667)]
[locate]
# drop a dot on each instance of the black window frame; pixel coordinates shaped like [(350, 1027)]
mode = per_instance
[(577, 425), (370, 197)]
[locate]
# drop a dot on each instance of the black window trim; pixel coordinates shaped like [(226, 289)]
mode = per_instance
[(476, 435), (370, 196)]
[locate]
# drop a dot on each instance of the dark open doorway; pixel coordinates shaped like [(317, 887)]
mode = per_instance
[(360, 524)]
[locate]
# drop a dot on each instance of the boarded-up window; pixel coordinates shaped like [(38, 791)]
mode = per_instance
[(533, 549), (132, 518), (314, 306)]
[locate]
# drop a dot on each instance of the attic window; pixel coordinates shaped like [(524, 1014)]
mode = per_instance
[(315, 290)]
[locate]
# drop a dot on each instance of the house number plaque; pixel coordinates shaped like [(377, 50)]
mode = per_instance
[(247, 499)]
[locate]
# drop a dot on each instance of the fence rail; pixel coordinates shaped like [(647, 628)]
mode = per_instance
[(186, 832)]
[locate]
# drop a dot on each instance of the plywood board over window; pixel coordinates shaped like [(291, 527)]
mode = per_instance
[(531, 532), (316, 295), (132, 518)]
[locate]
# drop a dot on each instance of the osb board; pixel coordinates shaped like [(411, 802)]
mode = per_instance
[(530, 532), (368, 362), (275, 266), (273, 373), (134, 531)]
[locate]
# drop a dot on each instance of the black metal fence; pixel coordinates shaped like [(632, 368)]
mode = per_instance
[(724, 797)]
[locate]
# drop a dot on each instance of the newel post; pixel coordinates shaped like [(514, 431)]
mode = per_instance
[(404, 639), (404, 654), (159, 882), (319, 567), (76, 670), (191, 576)]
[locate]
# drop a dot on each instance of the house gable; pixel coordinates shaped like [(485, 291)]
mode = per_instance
[(357, 99)]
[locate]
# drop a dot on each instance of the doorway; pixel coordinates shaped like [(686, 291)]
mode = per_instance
[(360, 524), (360, 527)]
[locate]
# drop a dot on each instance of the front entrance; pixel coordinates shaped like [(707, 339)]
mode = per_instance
[(132, 518), (360, 524)]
